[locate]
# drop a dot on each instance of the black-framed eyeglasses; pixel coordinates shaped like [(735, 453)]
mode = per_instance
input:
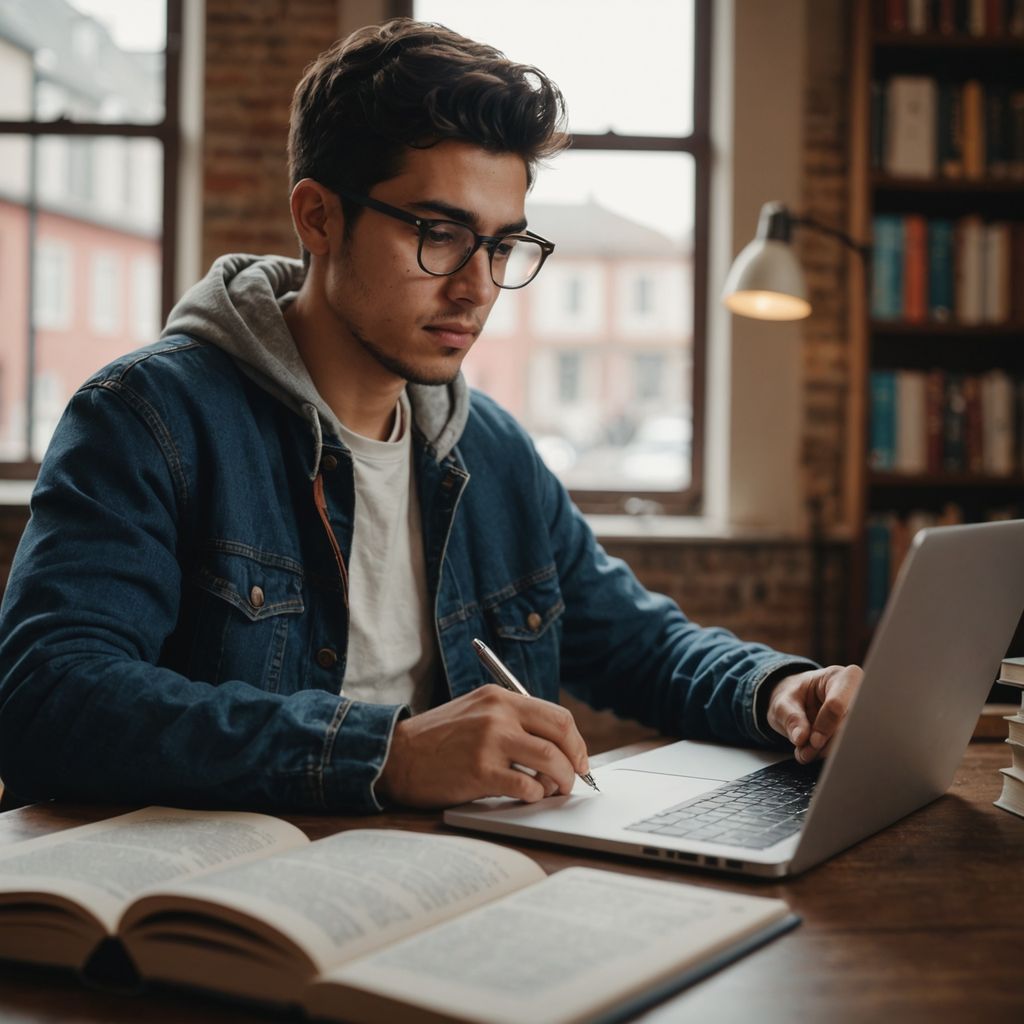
[(446, 246)]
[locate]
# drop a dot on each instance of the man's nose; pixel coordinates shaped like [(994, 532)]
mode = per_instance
[(472, 282)]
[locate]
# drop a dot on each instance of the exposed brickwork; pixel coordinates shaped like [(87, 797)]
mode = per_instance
[(825, 195), (256, 51)]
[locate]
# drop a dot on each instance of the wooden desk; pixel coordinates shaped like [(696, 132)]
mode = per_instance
[(923, 922)]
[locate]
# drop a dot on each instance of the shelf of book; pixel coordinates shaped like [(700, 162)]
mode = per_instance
[(937, 318)]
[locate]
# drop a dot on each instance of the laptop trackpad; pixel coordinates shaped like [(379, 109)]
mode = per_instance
[(697, 760)]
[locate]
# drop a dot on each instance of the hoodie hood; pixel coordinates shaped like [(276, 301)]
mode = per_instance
[(238, 306)]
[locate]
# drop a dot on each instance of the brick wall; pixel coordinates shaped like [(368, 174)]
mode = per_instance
[(256, 51)]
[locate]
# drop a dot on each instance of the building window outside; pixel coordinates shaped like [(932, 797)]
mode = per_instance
[(88, 148), (105, 293), (54, 285), (570, 377), (630, 193), (649, 375)]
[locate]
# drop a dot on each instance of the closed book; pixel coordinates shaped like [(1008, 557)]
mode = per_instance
[(945, 17), (1017, 755), (954, 454), (935, 403), (1012, 797), (915, 268), (973, 109), (877, 128), (974, 456), (895, 15), (976, 17), (949, 130), (883, 419), (887, 267), (998, 389), (1017, 272), (911, 426), (1015, 727), (996, 273), (1011, 672), (969, 269), (917, 17), (878, 530), (940, 270), (997, 143), (910, 150), (1015, 134)]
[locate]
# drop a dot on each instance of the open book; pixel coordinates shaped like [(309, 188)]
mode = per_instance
[(366, 925)]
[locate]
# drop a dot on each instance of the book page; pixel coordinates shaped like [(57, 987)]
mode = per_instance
[(350, 893), (558, 951), (102, 866)]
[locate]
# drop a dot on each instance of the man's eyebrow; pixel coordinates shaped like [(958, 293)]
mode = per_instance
[(467, 217)]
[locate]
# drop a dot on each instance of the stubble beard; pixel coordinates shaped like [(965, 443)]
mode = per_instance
[(400, 368)]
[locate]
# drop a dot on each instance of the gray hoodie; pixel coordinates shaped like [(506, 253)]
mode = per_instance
[(238, 307)]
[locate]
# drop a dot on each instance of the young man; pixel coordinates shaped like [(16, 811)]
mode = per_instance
[(261, 548)]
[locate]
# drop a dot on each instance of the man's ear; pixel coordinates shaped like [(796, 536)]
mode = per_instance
[(316, 214)]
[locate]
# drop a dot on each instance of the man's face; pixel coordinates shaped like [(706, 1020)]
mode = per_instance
[(414, 326)]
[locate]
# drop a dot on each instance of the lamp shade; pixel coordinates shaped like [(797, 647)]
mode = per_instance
[(766, 282)]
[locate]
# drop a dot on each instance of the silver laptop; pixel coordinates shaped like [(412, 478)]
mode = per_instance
[(935, 653)]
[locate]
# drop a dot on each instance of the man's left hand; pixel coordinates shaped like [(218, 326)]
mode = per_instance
[(808, 707)]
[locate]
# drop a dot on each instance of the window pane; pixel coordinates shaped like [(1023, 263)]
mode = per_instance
[(595, 356), (622, 67), (86, 60), (95, 260)]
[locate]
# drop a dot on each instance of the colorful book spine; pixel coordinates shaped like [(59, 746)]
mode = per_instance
[(915, 268), (887, 267), (940, 270), (883, 419)]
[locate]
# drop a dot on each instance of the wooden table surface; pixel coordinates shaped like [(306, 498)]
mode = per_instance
[(922, 922)]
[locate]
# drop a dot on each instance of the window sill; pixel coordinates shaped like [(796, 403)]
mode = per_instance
[(656, 529)]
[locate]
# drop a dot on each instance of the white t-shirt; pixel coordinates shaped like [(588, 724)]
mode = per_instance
[(391, 644)]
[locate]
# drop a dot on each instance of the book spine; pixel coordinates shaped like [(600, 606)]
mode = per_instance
[(878, 567), (887, 268), (996, 273), (954, 455), (911, 435), (999, 423), (915, 269), (950, 130), (973, 105), (1017, 272), (883, 419), (896, 15), (974, 455), (940, 270), (935, 400), (969, 262), (917, 17), (911, 126)]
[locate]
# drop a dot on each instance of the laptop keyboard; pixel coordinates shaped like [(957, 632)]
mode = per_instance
[(754, 811)]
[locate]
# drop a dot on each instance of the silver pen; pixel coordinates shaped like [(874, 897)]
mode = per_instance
[(503, 677)]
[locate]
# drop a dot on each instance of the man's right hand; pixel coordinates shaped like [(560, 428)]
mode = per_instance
[(465, 749)]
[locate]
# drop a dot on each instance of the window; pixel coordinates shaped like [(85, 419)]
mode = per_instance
[(105, 293), (626, 207), (88, 157), (570, 372)]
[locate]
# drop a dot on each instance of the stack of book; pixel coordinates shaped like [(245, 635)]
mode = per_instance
[(1012, 798)]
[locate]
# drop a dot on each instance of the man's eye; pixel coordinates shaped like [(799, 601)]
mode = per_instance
[(440, 235), (504, 249)]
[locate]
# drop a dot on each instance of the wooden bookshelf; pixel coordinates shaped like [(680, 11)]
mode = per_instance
[(956, 348)]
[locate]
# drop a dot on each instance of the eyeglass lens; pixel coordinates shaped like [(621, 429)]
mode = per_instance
[(446, 246)]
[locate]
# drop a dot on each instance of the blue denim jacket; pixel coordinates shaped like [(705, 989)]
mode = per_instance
[(174, 627)]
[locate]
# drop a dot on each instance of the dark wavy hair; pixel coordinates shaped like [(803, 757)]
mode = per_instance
[(409, 84)]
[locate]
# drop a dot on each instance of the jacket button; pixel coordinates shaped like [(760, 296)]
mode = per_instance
[(330, 463), (533, 621), (256, 597), (326, 658)]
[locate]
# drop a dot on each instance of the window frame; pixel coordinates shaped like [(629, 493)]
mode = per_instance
[(689, 500), (168, 133)]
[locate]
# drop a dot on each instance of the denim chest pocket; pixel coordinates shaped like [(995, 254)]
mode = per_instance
[(525, 621), (247, 618)]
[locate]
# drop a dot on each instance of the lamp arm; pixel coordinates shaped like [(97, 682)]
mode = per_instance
[(842, 236)]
